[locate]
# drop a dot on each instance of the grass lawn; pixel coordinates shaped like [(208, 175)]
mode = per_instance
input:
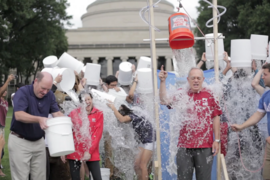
[(5, 160)]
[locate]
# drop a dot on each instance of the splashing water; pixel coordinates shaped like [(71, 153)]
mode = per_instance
[(241, 104), (183, 61)]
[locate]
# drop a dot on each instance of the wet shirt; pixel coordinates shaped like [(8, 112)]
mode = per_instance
[(3, 111), (143, 128), (25, 100), (95, 130), (197, 129), (264, 107)]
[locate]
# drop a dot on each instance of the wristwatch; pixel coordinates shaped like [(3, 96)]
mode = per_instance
[(217, 140)]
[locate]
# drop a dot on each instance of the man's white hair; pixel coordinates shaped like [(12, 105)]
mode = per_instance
[(195, 68)]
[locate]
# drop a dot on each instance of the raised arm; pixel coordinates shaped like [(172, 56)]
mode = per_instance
[(119, 116), (228, 64), (254, 119), (4, 87), (256, 82), (133, 88), (162, 89), (202, 61)]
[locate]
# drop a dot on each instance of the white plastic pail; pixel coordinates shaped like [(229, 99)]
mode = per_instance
[(67, 61), (50, 61), (105, 173), (59, 136), (145, 82), (209, 47), (258, 46), (120, 95), (125, 73), (92, 74), (144, 62), (102, 96), (241, 53), (68, 77)]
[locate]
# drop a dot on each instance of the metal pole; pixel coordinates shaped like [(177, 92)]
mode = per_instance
[(215, 29), (154, 73)]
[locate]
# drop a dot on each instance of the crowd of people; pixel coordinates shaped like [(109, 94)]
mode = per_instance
[(35, 103)]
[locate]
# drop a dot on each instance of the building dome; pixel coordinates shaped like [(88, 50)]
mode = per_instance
[(123, 13)]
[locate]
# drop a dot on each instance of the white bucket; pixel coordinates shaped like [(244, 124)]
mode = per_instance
[(241, 53), (68, 77), (209, 48), (258, 46), (67, 61), (105, 173), (120, 95), (145, 82), (144, 62), (59, 136), (125, 73), (102, 96), (92, 74), (50, 61)]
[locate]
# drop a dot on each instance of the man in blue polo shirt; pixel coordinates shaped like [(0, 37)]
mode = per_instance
[(263, 108), (32, 105)]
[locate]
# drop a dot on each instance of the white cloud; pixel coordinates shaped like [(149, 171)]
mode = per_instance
[(78, 8)]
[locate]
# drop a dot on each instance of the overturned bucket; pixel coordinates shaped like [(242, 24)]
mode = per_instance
[(181, 36), (125, 73), (59, 136)]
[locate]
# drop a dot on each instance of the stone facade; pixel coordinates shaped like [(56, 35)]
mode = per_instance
[(113, 32)]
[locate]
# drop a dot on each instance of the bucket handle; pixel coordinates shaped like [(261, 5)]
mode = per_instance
[(63, 134)]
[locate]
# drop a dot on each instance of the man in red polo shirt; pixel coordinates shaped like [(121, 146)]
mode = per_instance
[(199, 121)]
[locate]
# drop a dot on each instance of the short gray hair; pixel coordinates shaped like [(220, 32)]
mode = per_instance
[(39, 76), (195, 68)]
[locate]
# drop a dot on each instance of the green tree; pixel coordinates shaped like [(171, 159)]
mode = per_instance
[(242, 19), (35, 30)]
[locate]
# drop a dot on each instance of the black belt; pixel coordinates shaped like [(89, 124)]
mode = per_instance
[(19, 136)]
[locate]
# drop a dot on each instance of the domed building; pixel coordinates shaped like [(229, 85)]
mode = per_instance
[(113, 32)]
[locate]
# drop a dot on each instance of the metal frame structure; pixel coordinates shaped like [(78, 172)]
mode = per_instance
[(220, 157)]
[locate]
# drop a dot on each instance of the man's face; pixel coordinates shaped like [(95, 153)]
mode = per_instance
[(112, 85), (42, 88), (266, 77), (195, 80)]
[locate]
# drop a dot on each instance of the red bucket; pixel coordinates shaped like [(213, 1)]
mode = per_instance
[(180, 32)]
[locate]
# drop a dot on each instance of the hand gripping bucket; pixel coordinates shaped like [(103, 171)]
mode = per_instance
[(181, 36), (59, 136)]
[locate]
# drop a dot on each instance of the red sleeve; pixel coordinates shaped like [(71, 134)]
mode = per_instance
[(97, 132)]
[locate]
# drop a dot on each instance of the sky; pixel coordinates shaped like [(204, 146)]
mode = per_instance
[(78, 7)]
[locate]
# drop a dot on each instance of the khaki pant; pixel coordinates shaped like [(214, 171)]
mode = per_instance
[(266, 167), (27, 157)]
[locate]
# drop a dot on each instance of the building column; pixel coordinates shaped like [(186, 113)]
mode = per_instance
[(124, 58), (95, 60), (169, 63), (80, 59), (109, 66)]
